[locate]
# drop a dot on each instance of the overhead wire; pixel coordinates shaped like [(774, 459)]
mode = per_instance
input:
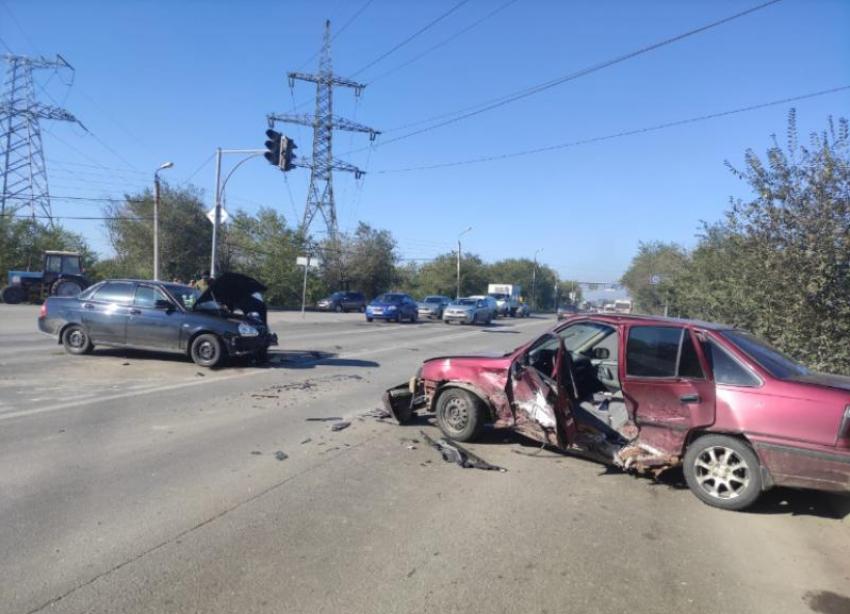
[(541, 87), (646, 129)]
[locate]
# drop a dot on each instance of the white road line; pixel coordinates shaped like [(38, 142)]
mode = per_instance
[(167, 387)]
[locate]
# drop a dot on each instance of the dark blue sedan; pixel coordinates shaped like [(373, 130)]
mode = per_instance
[(393, 307)]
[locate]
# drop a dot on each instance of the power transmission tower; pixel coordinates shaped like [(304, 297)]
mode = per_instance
[(21, 149), (320, 195)]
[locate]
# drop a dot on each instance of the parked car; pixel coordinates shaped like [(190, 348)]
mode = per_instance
[(566, 310), (393, 307), (343, 301), (522, 311), (227, 319), (433, 306), (470, 310), (647, 394)]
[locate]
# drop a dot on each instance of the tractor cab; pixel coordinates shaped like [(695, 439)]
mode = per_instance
[(61, 275)]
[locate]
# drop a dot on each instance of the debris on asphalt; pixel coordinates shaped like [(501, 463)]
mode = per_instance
[(197, 373), (377, 414), (264, 396), (340, 426), (125, 364), (280, 455), (308, 440), (256, 452), (330, 419), (453, 452)]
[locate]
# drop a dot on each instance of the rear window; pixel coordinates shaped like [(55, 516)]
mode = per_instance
[(770, 359), (115, 292)]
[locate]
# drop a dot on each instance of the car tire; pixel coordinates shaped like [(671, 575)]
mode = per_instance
[(369, 319), (460, 414), (13, 295), (207, 351), (475, 319), (723, 472), (362, 308), (414, 318), (66, 287), (76, 340), (338, 308)]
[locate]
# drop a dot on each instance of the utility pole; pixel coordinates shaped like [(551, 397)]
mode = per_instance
[(21, 149), (156, 203), (458, 259), (534, 281), (320, 195)]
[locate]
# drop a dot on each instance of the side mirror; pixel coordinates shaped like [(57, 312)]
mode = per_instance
[(480, 304), (164, 304), (600, 354)]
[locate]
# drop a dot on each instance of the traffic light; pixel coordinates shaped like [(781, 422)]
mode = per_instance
[(287, 147), (273, 145)]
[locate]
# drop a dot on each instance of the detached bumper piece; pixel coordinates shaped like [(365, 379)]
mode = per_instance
[(402, 401), (453, 452)]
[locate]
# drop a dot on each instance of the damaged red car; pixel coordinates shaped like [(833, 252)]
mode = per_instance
[(647, 394)]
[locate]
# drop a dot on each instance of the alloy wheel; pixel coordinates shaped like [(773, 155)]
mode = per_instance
[(721, 472)]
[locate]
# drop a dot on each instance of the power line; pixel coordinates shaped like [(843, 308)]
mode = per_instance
[(654, 128), (444, 42), (536, 89), (411, 37), (100, 166), (333, 38)]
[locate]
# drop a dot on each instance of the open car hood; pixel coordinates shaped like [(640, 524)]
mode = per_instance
[(230, 290)]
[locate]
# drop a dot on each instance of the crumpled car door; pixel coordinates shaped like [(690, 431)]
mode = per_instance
[(542, 403)]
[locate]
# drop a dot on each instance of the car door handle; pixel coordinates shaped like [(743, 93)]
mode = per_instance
[(689, 398), (135, 312), (88, 306)]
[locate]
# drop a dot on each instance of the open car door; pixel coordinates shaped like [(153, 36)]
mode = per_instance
[(539, 380)]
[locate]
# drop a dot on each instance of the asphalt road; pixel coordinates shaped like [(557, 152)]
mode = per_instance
[(138, 483)]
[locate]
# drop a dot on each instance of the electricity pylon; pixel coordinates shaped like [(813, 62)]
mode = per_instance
[(320, 195), (21, 149)]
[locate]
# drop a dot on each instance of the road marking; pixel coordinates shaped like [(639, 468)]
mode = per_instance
[(168, 387)]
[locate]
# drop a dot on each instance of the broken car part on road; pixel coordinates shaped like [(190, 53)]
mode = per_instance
[(452, 452)]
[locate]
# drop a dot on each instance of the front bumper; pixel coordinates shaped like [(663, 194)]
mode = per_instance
[(465, 317), (325, 306), (428, 313), (383, 314), (240, 346)]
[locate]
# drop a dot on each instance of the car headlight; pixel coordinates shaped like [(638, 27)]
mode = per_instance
[(246, 330), (391, 308)]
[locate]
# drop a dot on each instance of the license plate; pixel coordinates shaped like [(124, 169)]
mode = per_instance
[(377, 310)]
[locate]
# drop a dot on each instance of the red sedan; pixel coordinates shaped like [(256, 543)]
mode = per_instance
[(647, 394)]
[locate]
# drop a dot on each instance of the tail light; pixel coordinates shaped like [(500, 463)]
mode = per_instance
[(43, 312)]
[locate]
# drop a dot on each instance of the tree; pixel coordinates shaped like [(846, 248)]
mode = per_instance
[(439, 276), (779, 264), (659, 262), (185, 234), (371, 260)]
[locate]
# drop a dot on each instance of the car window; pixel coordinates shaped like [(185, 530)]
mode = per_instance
[(580, 336), (726, 369), (71, 266), (115, 292), (185, 295), (653, 351), (147, 296), (772, 360), (689, 365), (53, 264)]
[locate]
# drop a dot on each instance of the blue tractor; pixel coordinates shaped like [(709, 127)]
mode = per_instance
[(62, 276)]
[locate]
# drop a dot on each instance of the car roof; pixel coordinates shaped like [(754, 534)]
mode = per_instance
[(648, 319), (59, 253)]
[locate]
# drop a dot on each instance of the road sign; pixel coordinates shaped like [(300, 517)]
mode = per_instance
[(303, 261), (655, 280), (222, 216)]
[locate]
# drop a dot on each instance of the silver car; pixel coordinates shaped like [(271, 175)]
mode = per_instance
[(471, 310), (433, 306)]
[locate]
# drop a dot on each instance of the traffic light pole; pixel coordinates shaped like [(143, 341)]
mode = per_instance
[(219, 188)]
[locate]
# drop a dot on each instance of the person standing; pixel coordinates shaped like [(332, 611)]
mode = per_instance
[(204, 282)]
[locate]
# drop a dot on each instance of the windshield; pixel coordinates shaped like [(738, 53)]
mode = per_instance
[(770, 359), (433, 299), (187, 296), (577, 336), (465, 301), (499, 297), (390, 298)]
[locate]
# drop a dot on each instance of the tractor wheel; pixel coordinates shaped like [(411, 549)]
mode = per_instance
[(66, 287), (13, 295)]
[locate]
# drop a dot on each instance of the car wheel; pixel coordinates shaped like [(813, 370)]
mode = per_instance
[(723, 472), (368, 319), (337, 308), (76, 340), (460, 414), (66, 287), (475, 318), (414, 318), (207, 351), (12, 295), (362, 308)]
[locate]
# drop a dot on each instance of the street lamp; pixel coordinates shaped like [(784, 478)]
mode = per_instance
[(534, 281), (156, 191), (458, 259)]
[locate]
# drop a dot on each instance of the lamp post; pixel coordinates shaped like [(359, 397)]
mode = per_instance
[(534, 281), (458, 259), (156, 197)]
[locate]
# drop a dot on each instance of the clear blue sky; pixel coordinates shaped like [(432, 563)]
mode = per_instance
[(166, 80)]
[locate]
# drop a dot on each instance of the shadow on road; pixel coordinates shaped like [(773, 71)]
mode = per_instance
[(310, 359)]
